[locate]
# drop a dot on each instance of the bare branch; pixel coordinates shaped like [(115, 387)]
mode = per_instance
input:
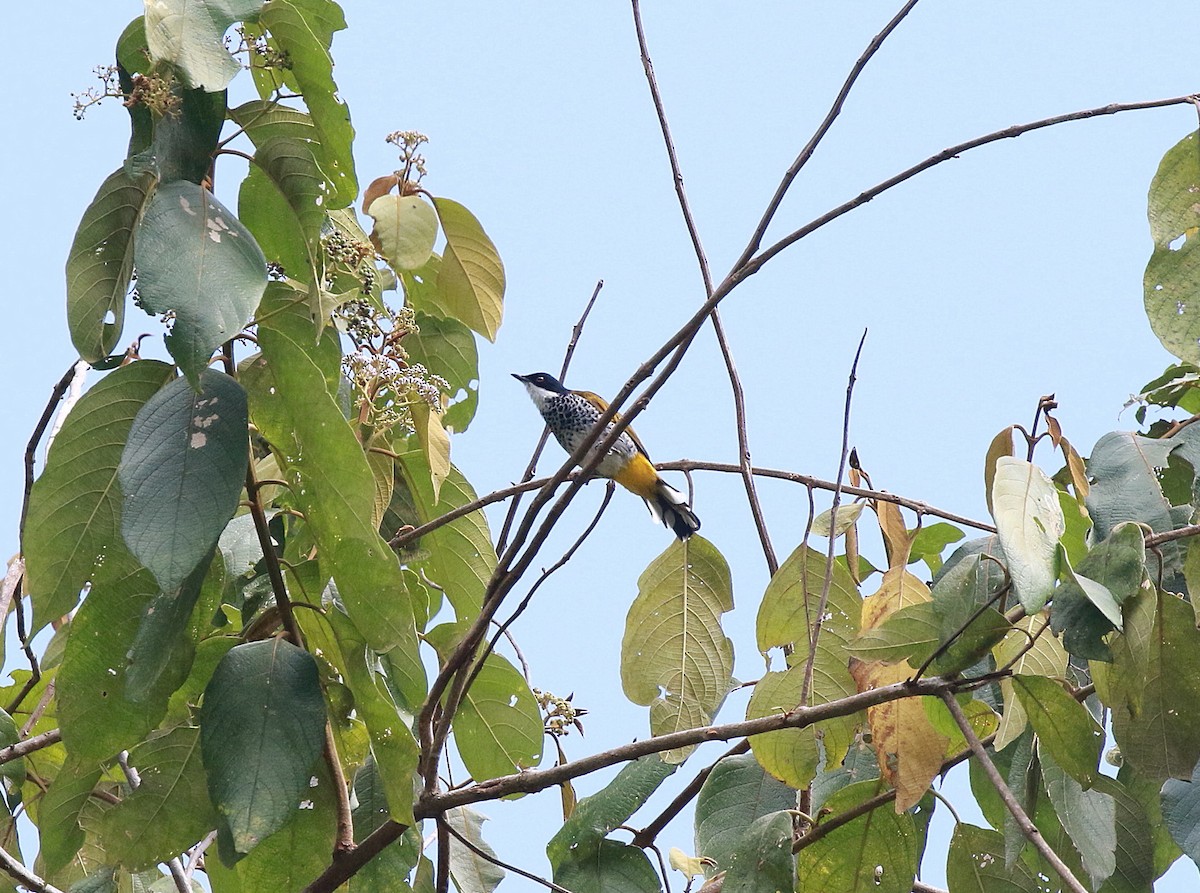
[(811, 146), (56, 394), (24, 876), (1028, 828), (815, 623), (29, 745)]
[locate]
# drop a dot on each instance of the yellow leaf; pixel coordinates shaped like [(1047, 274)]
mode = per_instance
[(435, 442)]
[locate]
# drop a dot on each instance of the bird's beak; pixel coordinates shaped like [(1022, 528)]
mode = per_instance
[(520, 378)]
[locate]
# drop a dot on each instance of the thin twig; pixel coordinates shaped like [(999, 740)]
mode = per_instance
[(952, 152), (1028, 828), (35, 438), (811, 146), (344, 839), (441, 880), (735, 383), (484, 854), (576, 331), (815, 623), (689, 465), (647, 835), (35, 671)]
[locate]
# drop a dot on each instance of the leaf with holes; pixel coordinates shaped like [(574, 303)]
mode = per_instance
[(674, 657), (189, 34), (182, 471), (197, 261)]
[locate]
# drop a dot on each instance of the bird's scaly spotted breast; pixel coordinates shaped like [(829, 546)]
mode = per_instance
[(570, 417)]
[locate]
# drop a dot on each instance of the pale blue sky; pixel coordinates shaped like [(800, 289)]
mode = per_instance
[(1012, 272)]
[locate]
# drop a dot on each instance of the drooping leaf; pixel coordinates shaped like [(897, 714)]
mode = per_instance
[(471, 872), (1063, 726), (790, 755), (1089, 817), (96, 715), (847, 516), (1029, 522), (58, 812), (1173, 272), (447, 347), (1045, 657), (169, 810), (875, 853), (182, 470), (281, 202), (196, 260), (188, 34), (674, 657), (74, 508), (303, 30), (405, 229), (434, 441), (975, 864), (612, 867), (600, 813), (909, 749), (471, 279), (1001, 445), (297, 853), (1181, 810), (292, 406), (1088, 604), (262, 727), (736, 792), (100, 263), (763, 860), (1153, 688), (461, 556)]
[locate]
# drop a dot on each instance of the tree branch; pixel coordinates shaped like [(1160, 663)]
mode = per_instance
[(24, 876), (1028, 828), (29, 745), (484, 854)]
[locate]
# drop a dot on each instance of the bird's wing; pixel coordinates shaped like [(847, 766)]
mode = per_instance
[(597, 401)]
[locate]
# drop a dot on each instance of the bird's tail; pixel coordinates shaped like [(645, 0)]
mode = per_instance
[(670, 507)]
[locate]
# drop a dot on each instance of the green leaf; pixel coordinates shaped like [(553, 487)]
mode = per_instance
[(461, 556), (293, 408), (763, 861), (1029, 522), (390, 868), (1181, 811), (434, 442), (1153, 687), (196, 260), (613, 805), (1063, 726), (95, 713), (1088, 816), (185, 138), (1124, 471), (281, 202), (1088, 604), (1139, 821), (847, 516), (262, 726), (736, 792), (188, 34), (471, 872), (133, 57), (674, 656), (447, 347), (911, 634), (498, 729), (969, 628), (931, 541), (74, 508), (182, 473), (875, 853), (58, 813), (790, 755), (296, 854), (1173, 272), (303, 30), (612, 868), (392, 743), (405, 229), (169, 810), (100, 263), (975, 864), (471, 278), (1045, 657)]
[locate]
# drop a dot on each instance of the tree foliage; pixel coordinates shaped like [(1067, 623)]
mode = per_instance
[(273, 594)]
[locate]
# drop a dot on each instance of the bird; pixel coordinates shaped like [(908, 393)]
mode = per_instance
[(570, 415)]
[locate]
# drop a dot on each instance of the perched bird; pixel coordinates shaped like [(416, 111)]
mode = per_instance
[(571, 414)]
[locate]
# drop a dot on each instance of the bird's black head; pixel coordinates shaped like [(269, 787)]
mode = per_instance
[(543, 380)]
